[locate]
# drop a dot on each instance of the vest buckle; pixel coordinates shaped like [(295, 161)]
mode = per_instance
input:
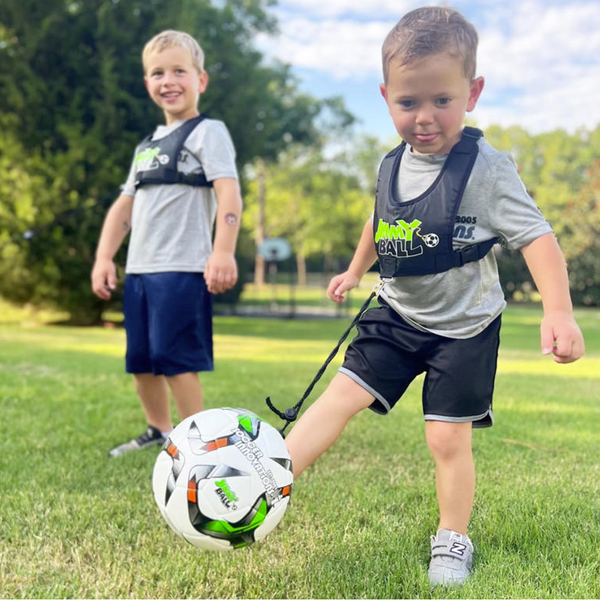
[(469, 254)]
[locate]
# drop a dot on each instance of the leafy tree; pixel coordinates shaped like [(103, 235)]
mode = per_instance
[(555, 168), (582, 239), (331, 116), (318, 202), (74, 106), (25, 200)]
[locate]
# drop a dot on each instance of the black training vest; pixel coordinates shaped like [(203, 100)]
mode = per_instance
[(156, 161), (415, 237)]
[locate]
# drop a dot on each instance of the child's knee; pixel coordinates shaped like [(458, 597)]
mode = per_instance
[(447, 441), (348, 395)]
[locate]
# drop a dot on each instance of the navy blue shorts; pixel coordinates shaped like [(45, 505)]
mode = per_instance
[(388, 353), (168, 321)]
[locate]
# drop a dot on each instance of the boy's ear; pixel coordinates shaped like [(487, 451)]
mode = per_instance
[(202, 82), (474, 93), (383, 91)]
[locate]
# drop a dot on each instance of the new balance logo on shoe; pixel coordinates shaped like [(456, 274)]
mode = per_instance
[(458, 549)]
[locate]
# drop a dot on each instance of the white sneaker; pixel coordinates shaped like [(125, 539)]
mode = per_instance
[(451, 558)]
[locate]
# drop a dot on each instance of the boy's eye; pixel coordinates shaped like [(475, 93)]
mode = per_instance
[(156, 73), (443, 101), (180, 71), (407, 103)]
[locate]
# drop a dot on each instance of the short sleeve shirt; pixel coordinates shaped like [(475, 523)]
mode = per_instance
[(462, 302), (171, 227)]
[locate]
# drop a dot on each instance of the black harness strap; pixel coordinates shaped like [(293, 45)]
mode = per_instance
[(291, 414), (437, 207), (172, 144)]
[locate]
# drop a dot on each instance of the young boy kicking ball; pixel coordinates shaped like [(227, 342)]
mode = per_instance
[(444, 197)]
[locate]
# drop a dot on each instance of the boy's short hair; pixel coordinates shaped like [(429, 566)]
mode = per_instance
[(430, 30), (170, 38)]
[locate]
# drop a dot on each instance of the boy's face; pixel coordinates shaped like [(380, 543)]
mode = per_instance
[(427, 100), (174, 83)]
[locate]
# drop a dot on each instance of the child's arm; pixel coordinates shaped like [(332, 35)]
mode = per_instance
[(560, 333), (117, 225), (364, 257), (221, 269)]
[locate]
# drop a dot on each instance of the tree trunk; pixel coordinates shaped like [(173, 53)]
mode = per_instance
[(259, 230), (301, 267)]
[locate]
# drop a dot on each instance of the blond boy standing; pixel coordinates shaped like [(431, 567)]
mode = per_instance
[(183, 180), (444, 197)]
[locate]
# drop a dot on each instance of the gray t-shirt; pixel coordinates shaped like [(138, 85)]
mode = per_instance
[(462, 302), (171, 225)]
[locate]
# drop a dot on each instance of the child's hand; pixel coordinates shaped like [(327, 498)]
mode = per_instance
[(562, 337), (104, 278), (340, 284), (221, 272)]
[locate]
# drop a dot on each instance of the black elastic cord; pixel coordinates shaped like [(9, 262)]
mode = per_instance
[(291, 414)]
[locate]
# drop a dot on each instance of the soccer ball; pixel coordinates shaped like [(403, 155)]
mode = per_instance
[(223, 479), (431, 240)]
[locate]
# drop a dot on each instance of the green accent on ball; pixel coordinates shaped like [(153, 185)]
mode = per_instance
[(228, 529), (246, 422)]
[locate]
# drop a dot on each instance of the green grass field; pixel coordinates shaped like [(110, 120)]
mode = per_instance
[(74, 524)]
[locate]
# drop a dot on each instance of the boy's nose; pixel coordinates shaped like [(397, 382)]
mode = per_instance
[(169, 78), (424, 115)]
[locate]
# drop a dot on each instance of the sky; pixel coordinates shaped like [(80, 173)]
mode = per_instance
[(540, 58)]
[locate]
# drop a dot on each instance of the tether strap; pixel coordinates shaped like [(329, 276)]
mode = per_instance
[(291, 414)]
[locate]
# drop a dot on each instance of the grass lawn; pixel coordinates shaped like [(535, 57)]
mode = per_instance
[(76, 524), (283, 294)]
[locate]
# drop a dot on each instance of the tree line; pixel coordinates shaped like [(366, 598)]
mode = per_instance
[(73, 106), (319, 202)]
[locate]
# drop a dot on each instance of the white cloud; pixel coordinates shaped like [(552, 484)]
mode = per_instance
[(335, 8), (541, 61), (544, 72), (569, 106), (344, 49), (541, 45)]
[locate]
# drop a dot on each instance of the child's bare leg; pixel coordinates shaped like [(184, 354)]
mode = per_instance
[(154, 396), (450, 445), (187, 393), (324, 421)]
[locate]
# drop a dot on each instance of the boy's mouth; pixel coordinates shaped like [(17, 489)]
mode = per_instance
[(424, 138), (170, 96)]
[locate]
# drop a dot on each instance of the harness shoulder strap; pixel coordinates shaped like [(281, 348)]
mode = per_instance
[(195, 179), (184, 132), (386, 169)]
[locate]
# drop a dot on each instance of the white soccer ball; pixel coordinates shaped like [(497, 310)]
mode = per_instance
[(431, 240), (223, 479)]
